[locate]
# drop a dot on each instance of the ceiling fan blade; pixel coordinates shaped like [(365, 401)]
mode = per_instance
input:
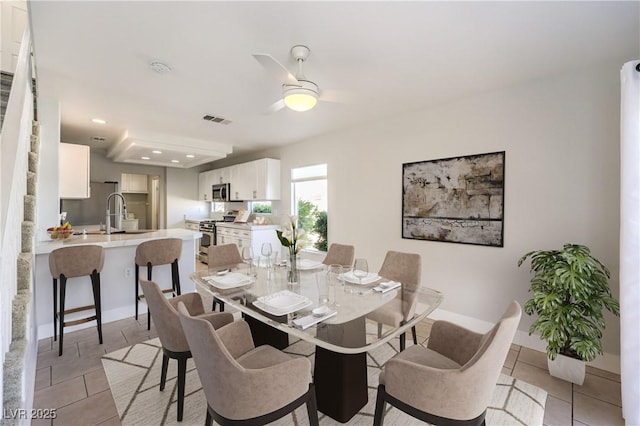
[(276, 69), (275, 107)]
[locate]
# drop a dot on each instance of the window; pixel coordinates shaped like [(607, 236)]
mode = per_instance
[(260, 207), (309, 203)]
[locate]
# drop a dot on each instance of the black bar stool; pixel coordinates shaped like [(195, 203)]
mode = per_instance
[(72, 262), (153, 253)]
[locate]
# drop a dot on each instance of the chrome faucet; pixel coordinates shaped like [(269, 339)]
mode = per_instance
[(124, 210)]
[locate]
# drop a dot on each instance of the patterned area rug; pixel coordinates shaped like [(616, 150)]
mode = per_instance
[(134, 378)]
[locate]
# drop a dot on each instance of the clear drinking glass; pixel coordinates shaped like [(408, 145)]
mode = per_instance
[(360, 269), (323, 288), (335, 280), (247, 256)]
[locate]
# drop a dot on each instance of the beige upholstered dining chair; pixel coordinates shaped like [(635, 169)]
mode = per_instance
[(244, 384), (451, 381), (405, 268), (339, 254), (222, 256), (167, 323)]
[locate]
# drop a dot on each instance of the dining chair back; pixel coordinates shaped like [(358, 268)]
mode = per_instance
[(244, 384), (222, 256), (339, 254), (169, 329), (452, 380), (405, 268)]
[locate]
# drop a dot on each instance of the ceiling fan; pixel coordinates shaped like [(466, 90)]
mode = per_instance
[(298, 93)]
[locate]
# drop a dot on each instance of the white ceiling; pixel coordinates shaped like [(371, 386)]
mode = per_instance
[(377, 59)]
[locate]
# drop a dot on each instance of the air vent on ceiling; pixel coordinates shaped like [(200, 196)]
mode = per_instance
[(98, 139), (216, 119)]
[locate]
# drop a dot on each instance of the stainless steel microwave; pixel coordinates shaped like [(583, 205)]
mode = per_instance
[(220, 192)]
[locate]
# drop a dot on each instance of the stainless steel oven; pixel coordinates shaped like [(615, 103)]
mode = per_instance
[(208, 230)]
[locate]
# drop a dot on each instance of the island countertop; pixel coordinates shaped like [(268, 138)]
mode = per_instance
[(116, 240)]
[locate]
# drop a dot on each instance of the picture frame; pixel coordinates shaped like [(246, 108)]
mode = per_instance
[(455, 200)]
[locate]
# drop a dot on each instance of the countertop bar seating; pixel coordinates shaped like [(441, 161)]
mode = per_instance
[(75, 262)]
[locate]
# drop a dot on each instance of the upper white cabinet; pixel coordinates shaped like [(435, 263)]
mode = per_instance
[(255, 180), (134, 183), (73, 166), (205, 180)]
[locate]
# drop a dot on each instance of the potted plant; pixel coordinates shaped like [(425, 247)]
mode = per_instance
[(570, 291)]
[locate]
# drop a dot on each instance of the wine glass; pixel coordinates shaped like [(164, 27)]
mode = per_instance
[(247, 256), (267, 251), (360, 269)]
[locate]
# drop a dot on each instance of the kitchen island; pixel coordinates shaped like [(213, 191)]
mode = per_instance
[(116, 277)]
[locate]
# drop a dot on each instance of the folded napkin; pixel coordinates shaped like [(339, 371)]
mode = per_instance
[(388, 286), (306, 322), (305, 264)]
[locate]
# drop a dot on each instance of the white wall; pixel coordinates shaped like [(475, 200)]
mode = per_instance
[(561, 139), (48, 204), (182, 197)]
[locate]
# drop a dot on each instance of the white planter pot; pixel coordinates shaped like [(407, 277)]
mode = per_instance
[(567, 368)]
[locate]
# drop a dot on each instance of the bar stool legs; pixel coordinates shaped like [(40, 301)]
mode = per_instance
[(58, 316)]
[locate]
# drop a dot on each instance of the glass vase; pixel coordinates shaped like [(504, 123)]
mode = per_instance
[(293, 274)]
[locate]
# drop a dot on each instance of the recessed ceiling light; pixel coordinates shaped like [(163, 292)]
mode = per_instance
[(98, 121), (175, 161), (190, 156), (155, 151), (145, 158)]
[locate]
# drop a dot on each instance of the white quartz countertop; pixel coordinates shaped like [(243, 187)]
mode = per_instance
[(249, 226), (116, 240)]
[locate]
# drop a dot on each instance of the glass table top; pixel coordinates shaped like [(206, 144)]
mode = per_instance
[(346, 323)]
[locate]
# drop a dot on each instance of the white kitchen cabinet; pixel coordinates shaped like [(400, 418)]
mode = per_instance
[(256, 180), (247, 235), (219, 176), (74, 171), (133, 183), (204, 185)]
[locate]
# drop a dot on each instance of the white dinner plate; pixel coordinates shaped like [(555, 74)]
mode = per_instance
[(282, 302), (351, 278), (229, 280)]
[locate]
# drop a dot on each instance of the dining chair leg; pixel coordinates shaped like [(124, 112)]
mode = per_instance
[(379, 330), (209, 420), (414, 334), (163, 375), (380, 404), (403, 341), (182, 372), (312, 406)]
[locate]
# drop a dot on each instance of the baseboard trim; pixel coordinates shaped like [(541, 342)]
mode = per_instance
[(608, 362)]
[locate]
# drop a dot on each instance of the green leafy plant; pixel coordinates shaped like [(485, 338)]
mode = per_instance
[(320, 227), (570, 290)]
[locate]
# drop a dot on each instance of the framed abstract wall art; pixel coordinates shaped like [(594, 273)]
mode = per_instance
[(456, 200)]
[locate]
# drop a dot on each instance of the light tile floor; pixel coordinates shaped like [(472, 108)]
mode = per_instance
[(76, 386)]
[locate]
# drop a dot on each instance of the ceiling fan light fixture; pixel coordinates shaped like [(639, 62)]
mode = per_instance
[(301, 98)]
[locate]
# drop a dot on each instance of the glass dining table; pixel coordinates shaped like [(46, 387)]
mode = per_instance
[(339, 327)]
